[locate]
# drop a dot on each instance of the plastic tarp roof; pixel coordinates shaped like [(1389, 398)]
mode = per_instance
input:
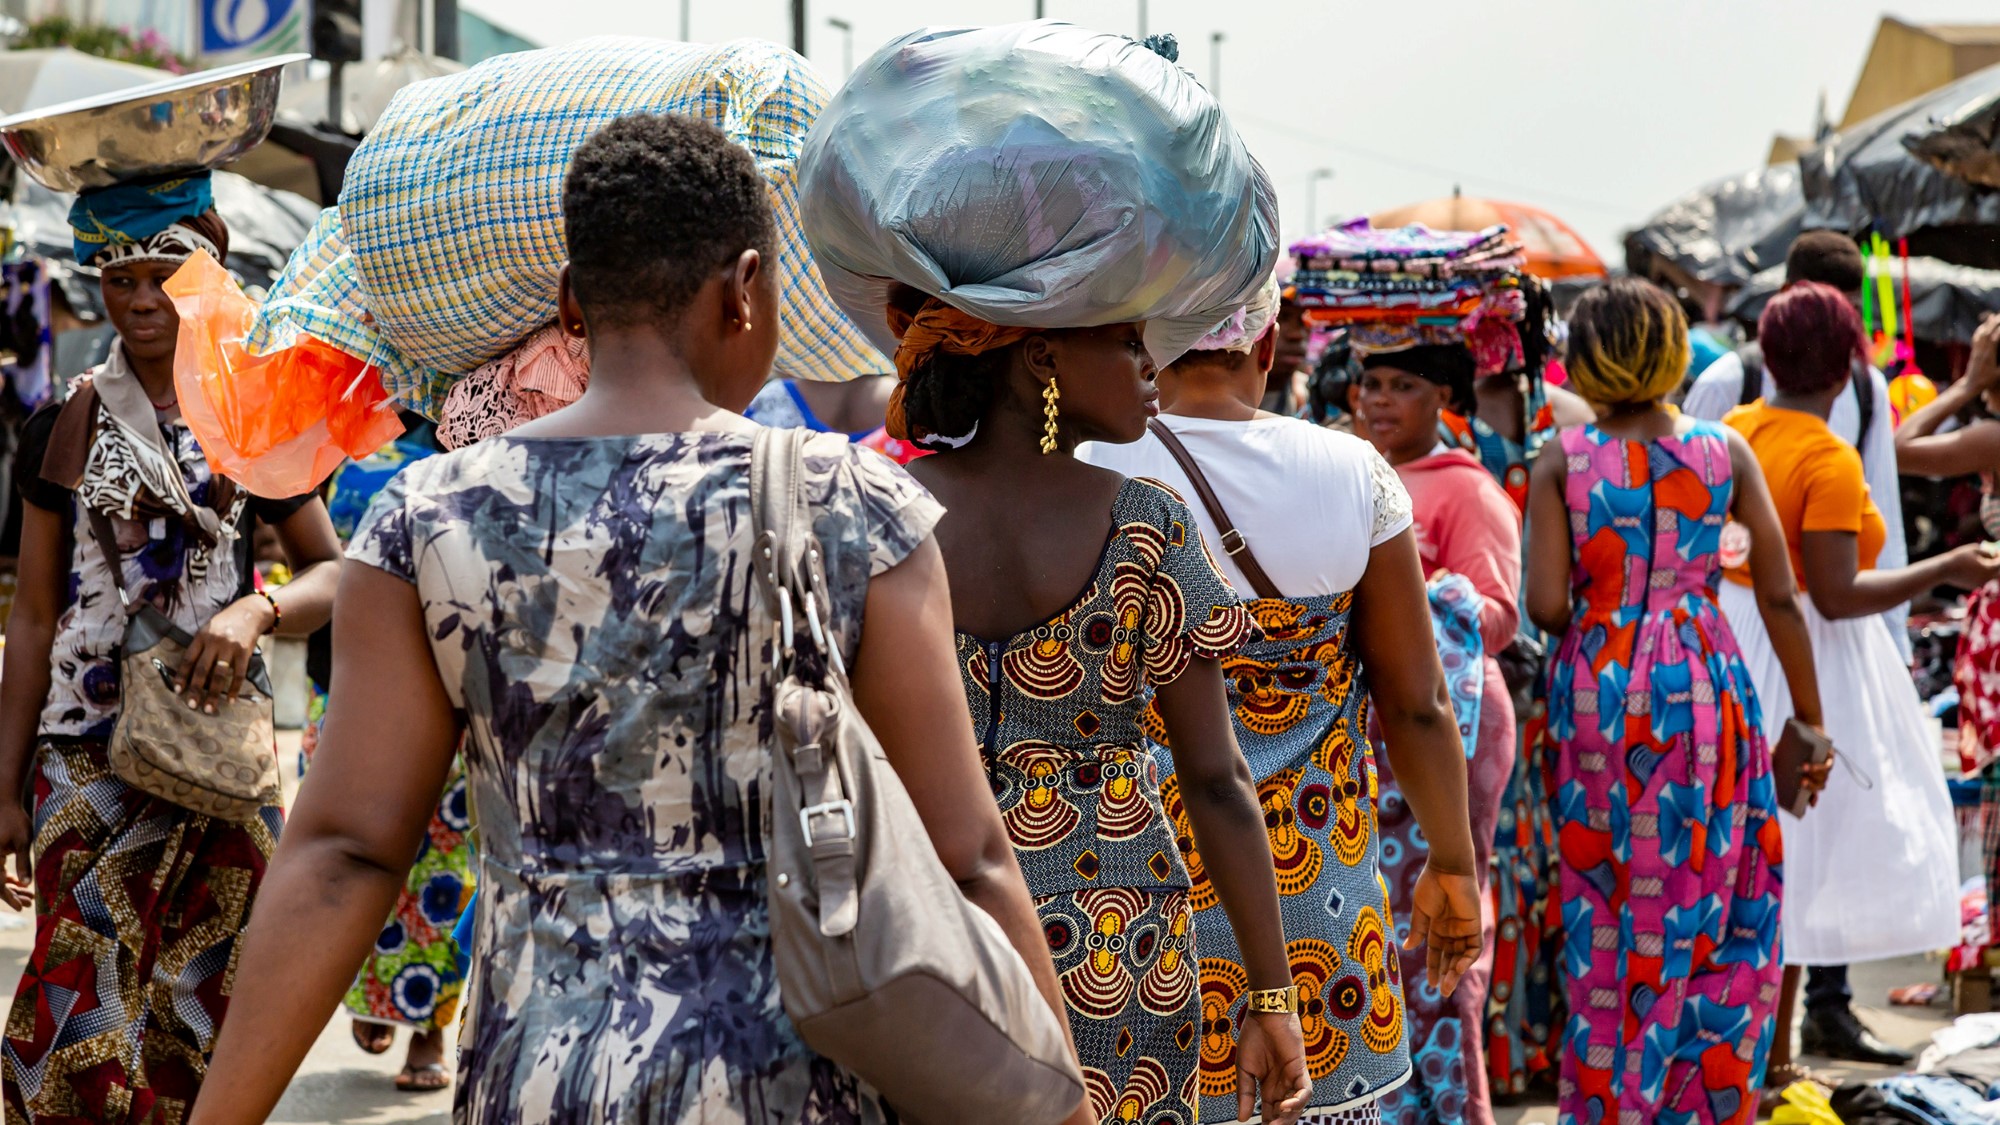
[(1893, 172), (1728, 231), (1947, 302)]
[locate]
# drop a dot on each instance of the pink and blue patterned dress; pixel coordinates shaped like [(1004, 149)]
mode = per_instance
[(1664, 808)]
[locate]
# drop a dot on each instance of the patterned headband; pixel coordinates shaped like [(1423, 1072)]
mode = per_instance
[(174, 244)]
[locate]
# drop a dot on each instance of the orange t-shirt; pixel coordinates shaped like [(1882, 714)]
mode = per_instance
[(1816, 482)]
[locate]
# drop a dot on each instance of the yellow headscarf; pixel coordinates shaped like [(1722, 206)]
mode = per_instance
[(1628, 343)]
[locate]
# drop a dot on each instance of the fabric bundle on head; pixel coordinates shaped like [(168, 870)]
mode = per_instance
[(444, 251), (1246, 325), (1628, 344), (155, 221), (1036, 175)]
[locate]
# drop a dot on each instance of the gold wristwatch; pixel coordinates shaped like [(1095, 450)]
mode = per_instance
[(1274, 1001)]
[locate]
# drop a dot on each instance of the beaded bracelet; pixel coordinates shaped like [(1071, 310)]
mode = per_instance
[(277, 611)]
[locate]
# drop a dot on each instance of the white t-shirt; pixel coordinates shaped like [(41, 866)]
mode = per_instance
[(1310, 502)]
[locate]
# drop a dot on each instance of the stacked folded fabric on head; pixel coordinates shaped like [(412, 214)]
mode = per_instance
[(1397, 289)]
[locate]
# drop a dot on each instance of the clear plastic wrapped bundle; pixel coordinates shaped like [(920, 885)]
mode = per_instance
[(1036, 174)]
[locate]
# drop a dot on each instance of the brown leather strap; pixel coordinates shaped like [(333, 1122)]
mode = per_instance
[(1233, 543)]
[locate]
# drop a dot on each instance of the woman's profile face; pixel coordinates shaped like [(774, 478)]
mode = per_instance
[(1106, 381)]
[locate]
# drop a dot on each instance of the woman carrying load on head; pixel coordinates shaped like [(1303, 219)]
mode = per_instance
[(1665, 809), (1089, 614), (138, 901), (1336, 610), (576, 597)]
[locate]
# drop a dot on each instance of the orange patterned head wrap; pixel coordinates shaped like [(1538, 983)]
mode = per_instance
[(937, 327)]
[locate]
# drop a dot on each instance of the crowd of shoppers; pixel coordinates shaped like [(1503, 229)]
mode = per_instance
[(1204, 706)]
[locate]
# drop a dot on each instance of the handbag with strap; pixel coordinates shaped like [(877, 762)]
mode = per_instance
[(884, 966), (1232, 541), (224, 765)]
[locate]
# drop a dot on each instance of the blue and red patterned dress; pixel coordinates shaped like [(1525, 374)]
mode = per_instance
[(1664, 808)]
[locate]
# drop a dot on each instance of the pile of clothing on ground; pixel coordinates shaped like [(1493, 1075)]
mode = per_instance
[(1956, 1082), (1396, 289)]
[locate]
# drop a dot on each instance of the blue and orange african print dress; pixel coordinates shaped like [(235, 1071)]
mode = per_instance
[(1664, 807), (1057, 709)]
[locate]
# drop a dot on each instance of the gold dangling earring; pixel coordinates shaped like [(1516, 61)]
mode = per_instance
[(1049, 396)]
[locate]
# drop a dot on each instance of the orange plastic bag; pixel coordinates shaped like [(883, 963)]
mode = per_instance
[(276, 424)]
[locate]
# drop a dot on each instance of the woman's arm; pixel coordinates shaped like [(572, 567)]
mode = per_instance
[(1413, 705), (1772, 579), (1841, 589), (1482, 541), (219, 658), (906, 684), (346, 849), (1549, 547), (24, 683), (1922, 451), (1221, 801)]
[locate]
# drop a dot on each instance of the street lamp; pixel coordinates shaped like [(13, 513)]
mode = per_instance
[(798, 27), (1142, 19), (684, 19), (846, 43), (1318, 176), (1215, 63)]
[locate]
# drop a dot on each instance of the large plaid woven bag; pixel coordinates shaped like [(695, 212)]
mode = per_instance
[(444, 250)]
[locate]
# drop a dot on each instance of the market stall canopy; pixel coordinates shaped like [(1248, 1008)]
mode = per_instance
[(1870, 176), (1963, 139), (1555, 251), (1947, 302), (1724, 233)]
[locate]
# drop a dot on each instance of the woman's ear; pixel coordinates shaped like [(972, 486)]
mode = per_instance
[(1265, 351), (740, 295), (569, 311), (1038, 355)]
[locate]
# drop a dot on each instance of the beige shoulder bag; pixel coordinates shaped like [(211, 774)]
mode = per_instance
[(225, 764), (884, 966)]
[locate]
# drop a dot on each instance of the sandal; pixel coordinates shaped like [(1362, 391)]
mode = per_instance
[(1781, 1078), (423, 1079), (378, 1038)]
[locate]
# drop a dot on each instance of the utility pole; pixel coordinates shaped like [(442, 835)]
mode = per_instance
[(799, 26), (846, 44), (1142, 19), (1038, 9), (1319, 175), (1215, 64), (684, 21)]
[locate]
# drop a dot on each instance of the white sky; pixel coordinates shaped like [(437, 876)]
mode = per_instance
[(1601, 111)]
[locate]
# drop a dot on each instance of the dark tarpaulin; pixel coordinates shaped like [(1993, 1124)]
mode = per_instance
[(1962, 137), (1725, 232), (1867, 177), (1946, 301)]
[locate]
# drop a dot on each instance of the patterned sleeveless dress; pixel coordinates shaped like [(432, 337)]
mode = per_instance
[(1057, 711), (1301, 712), (1665, 810)]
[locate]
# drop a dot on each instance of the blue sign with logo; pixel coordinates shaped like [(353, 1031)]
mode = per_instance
[(250, 28)]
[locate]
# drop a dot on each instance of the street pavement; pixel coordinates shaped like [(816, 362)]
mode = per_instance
[(342, 1085)]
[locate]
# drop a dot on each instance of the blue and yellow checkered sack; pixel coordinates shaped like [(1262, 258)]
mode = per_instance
[(444, 251)]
